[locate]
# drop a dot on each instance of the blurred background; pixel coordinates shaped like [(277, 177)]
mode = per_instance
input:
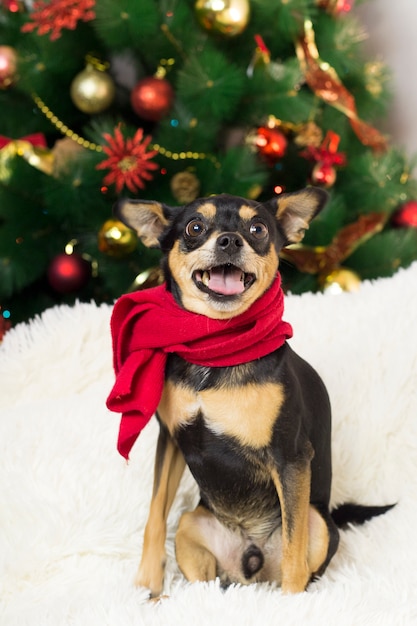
[(174, 99), (391, 30)]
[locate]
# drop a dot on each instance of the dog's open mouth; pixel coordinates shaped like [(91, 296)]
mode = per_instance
[(224, 280)]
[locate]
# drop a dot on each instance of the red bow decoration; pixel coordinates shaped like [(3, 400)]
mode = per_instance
[(37, 139), (326, 153)]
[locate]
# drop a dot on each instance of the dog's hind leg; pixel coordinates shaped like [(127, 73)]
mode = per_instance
[(323, 539), (194, 557), (169, 467), (206, 548)]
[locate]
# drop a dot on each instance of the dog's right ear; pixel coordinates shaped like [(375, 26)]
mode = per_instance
[(147, 217), (294, 211)]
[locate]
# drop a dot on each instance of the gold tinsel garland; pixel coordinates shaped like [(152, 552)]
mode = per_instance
[(89, 145)]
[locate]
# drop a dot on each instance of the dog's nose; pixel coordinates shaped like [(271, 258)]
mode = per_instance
[(229, 242)]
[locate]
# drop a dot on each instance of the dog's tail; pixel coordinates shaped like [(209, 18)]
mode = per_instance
[(357, 513)]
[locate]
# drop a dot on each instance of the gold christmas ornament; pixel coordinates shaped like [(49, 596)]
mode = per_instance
[(37, 156), (308, 134), (152, 277), (224, 17), (185, 187), (339, 280), (374, 77), (254, 191), (93, 90), (116, 239)]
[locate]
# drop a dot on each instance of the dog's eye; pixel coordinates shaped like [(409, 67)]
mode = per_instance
[(258, 230), (195, 228)]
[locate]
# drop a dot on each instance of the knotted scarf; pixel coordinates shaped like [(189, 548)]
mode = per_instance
[(148, 325)]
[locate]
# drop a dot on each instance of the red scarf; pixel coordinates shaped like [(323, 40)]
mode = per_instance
[(148, 325)]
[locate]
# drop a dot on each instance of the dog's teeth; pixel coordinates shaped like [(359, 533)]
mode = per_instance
[(205, 278), (242, 277)]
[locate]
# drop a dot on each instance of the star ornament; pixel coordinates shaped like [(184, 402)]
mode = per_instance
[(129, 160)]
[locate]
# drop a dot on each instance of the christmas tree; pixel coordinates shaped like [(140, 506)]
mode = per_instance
[(176, 99)]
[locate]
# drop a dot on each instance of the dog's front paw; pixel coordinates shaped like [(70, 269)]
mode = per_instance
[(151, 575), (296, 582)]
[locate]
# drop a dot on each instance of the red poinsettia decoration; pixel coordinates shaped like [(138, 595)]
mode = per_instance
[(129, 160), (54, 15)]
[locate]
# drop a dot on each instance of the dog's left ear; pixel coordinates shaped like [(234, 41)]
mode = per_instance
[(294, 211)]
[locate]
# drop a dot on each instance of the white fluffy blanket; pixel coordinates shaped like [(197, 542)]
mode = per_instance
[(72, 512)]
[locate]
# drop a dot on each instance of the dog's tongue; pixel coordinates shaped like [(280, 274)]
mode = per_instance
[(226, 280)]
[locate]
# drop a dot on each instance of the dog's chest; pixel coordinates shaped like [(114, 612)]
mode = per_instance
[(245, 412)]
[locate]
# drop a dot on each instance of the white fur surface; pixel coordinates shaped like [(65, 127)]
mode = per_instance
[(72, 512)]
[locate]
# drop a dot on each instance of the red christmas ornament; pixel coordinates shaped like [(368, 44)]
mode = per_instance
[(326, 157), (152, 98), (14, 6), (271, 143), (68, 272), (37, 140), (344, 6), (406, 215), (8, 66), (336, 7), (323, 174)]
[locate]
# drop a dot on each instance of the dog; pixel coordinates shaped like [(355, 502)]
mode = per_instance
[(254, 429)]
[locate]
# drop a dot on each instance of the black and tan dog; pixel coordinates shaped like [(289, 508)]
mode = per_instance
[(256, 436)]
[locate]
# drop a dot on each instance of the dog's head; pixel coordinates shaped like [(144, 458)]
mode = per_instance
[(221, 252)]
